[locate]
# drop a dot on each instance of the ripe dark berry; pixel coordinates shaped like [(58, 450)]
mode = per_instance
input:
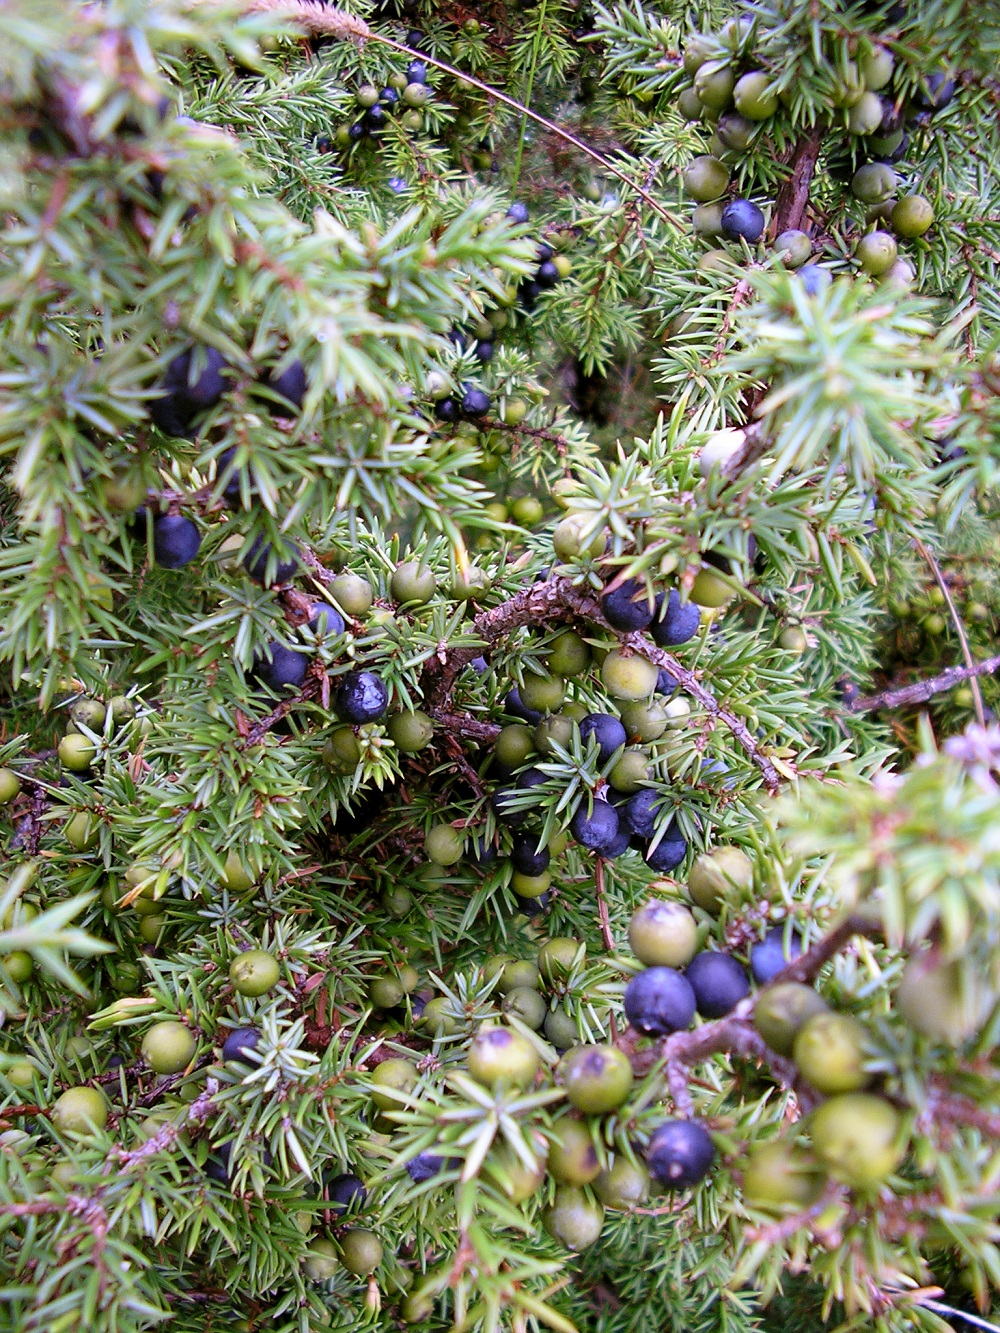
[(627, 607), (680, 1154), (183, 399), (286, 667), (619, 844), (936, 92), (238, 1041), (480, 852), (416, 72), (669, 852), (290, 386), (375, 117), (528, 293), (547, 275), (526, 856), (425, 1166), (597, 828), (175, 541), (256, 560), (641, 811), (659, 1000), (484, 351), (344, 1191), (814, 279), (513, 705), (665, 682), (362, 697), (326, 620), (718, 982), (389, 98), (356, 132), (742, 220), (606, 730), (677, 623), (503, 809), (475, 402), (518, 212), (447, 410), (768, 956)]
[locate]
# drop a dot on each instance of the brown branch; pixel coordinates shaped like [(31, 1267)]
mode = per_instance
[(558, 599), (809, 965), (790, 207), (602, 906), (956, 620), (461, 724), (532, 432), (922, 690)]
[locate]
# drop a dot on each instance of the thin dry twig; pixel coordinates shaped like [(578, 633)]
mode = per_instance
[(935, 568), (922, 690), (602, 906)]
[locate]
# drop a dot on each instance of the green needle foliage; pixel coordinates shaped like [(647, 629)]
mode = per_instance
[(359, 367)]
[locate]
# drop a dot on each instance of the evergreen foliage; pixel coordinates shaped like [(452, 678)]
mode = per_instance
[(373, 382)]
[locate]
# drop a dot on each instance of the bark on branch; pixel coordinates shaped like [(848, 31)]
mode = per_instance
[(555, 600), (922, 690)]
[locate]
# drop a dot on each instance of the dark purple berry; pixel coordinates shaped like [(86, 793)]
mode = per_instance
[(416, 71), (290, 386), (768, 956), (527, 857), (256, 560), (512, 704), (547, 275), (185, 398), (424, 1166), (344, 1192), (718, 982), (659, 1000), (362, 697), (627, 607), (356, 132), (680, 1154), (389, 98), (447, 410), (175, 541), (286, 667), (669, 852), (518, 212), (641, 811), (665, 682), (326, 620), (238, 1041), (606, 730), (814, 279), (742, 220), (597, 828), (618, 845), (484, 351), (475, 402), (678, 622)]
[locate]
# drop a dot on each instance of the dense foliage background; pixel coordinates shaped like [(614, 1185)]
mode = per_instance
[(384, 393)]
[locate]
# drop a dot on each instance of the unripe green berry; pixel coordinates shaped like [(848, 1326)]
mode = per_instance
[(443, 844), (169, 1047), (912, 216), (254, 972)]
